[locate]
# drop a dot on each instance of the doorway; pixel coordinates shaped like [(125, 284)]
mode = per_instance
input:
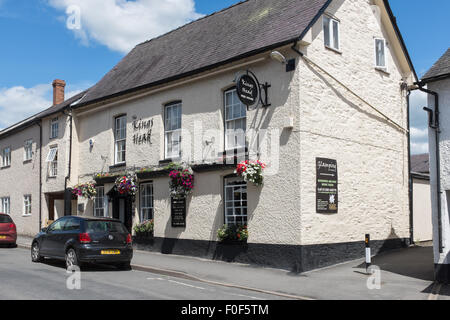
[(122, 209)]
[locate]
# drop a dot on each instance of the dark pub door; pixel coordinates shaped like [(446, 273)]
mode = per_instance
[(122, 208)]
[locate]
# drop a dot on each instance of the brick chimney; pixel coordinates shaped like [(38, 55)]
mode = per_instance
[(58, 91)]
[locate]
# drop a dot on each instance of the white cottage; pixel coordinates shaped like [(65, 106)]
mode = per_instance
[(437, 81)]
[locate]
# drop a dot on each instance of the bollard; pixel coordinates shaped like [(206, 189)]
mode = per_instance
[(368, 253)]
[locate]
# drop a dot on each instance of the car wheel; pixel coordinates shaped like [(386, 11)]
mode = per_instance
[(124, 265), (72, 259), (35, 253)]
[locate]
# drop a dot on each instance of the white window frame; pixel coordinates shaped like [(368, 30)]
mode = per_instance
[(240, 211), (172, 130), (146, 201), (54, 128), (232, 121), (28, 150), (6, 157), (385, 67), (120, 141), (331, 28), (52, 159), (6, 205), (100, 202), (27, 205)]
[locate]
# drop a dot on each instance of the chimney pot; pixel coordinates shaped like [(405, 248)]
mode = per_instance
[(58, 91)]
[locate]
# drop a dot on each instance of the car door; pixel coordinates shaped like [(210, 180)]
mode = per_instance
[(55, 235), (71, 231)]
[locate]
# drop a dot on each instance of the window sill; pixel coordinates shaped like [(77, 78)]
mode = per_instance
[(26, 215), (5, 167), (168, 161), (52, 177), (118, 165), (27, 161), (334, 50), (383, 70)]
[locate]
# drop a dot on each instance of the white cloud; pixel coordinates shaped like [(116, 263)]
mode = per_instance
[(18, 103), (120, 25), (419, 148), (417, 133)]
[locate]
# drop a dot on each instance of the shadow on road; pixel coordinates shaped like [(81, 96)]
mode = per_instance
[(8, 246), (413, 262), (85, 268)]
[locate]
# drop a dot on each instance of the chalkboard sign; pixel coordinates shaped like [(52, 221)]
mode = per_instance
[(247, 90), (178, 212), (327, 186)]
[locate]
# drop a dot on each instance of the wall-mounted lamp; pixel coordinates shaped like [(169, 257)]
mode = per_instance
[(277, 56), (91, 143)]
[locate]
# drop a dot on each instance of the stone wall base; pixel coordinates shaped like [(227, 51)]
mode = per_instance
[(288, 257)]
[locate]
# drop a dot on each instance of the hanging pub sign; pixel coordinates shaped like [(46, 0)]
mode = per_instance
[(178, 212), (327, 186), (249, 90)]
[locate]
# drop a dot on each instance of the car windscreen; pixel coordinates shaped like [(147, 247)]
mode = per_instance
[(105, 226), (5, 219)]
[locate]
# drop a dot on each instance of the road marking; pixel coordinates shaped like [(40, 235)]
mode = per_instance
[(160, 279), (434, 295), (185, 284), (243, 295)]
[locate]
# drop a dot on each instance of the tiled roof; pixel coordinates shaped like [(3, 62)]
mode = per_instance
[(440, 68), (420, 163), (249, 27)]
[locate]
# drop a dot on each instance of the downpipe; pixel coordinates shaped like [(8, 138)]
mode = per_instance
[(433, 123)]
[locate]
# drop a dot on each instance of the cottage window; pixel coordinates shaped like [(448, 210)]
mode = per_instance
[(235, 202), (235, 121), (52, 159), (28, 150), (27, 205), (380, 54), (120, 136), (172, 127), (6, 205), (100, 203), (331, 32), (54, 128), (146, 201), (6, 157)]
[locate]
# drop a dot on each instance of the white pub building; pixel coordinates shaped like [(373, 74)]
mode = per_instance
[(312, 93)]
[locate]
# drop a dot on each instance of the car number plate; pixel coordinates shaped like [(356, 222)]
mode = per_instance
[(110, 252), (2, 237)]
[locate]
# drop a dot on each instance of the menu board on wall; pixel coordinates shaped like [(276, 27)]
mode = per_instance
[(178, 212), (327, 186)]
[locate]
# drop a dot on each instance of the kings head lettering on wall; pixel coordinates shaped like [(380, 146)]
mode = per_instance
[(142, 131)]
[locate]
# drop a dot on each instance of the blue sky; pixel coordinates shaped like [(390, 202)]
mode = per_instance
[(37, 46)]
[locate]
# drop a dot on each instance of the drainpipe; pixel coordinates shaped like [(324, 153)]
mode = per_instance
[(433, 123), (410, 178), (69, 172), (40, 174)]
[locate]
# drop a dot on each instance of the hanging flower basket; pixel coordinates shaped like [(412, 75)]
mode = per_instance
[(126, 185), (233, 234), (251, 171), (181, 182), (85, 190)]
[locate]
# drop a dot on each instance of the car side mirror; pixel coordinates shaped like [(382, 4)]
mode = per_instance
[(44, 230)]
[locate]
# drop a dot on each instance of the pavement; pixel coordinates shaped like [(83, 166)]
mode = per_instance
[(404, 274)]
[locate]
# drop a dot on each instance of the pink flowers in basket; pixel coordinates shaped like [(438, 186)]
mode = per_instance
[(181, 182)]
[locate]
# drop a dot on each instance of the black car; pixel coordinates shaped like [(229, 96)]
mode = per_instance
[(81, 240)]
